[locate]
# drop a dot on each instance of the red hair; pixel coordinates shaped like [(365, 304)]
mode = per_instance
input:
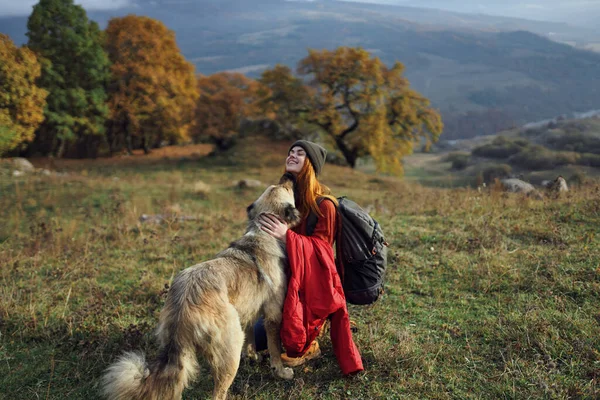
[(308, 189)]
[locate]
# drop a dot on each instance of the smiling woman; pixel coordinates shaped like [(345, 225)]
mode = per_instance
[(314, 293), (295, 160)]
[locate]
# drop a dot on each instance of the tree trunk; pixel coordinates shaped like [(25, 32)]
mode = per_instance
[(128, 138), (145, 144), (223, 144), (349, 154), (61, 148), (110, 140)]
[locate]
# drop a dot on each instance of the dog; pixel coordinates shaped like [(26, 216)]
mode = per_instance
[(209, 309)]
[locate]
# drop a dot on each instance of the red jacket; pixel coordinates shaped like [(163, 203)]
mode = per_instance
[(315, 292)]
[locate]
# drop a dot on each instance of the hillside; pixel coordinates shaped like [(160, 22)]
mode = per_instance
[(570, 148), (582, 15), (485, 74), (487, 296)]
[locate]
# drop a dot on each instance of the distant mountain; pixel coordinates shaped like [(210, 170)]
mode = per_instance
[(585, 13), (484, 73)]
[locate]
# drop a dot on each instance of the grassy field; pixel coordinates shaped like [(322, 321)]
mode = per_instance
[(488, 296)]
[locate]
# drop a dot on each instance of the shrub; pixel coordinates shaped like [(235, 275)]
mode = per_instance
[(495, 171), (540, 158), (590, 160), (575, 142), (577, 179), (459, 160), (501, 147)]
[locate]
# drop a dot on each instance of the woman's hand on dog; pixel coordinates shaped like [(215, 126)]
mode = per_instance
[(273, 226)]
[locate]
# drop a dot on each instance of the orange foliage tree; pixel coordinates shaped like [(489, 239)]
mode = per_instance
[(152, 93), (363, 107), (21, 101), (226, 99)]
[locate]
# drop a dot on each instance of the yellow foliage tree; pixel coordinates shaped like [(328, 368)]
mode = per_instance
[(21, 101), (153, 90), (226, 99), (364, 107)]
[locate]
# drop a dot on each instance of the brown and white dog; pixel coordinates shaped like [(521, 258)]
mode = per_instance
[(209, 308)]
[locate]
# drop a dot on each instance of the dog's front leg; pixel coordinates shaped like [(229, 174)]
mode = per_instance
[(274, 346)]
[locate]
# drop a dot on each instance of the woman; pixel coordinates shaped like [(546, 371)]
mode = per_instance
[(315, 291)]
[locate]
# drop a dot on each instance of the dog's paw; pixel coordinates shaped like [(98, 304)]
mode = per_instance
[(284, 373)]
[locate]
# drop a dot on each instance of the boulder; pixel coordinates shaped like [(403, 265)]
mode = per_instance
[(557, 187), (23, 165), (201, 188), (513, 185)]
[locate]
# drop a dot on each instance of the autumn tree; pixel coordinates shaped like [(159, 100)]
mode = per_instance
[(362, 106), (152, 92), (226, 99), (74, 72), (21, 101)]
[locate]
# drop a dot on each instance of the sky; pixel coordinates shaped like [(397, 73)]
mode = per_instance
[(23, 7)]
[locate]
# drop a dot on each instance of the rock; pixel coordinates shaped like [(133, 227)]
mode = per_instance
[(17, 173), (514, 185), (151, 219), (45, 172), (249, 183), (560, 185), (536, 195), (557, 187), (23, 165), (201, 188)]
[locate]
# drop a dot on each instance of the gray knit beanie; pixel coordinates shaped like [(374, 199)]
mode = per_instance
[(315, 153)]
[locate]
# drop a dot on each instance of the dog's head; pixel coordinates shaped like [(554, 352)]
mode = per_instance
[(279, 200)]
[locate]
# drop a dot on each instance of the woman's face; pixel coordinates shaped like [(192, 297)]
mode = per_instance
[(295, 160)]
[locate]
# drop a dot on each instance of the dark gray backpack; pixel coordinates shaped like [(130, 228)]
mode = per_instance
[(361, 249)]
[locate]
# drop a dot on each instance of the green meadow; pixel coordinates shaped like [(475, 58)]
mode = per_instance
[(488, 296)]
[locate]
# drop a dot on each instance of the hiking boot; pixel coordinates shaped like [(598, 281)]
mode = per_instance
[(313, 352)]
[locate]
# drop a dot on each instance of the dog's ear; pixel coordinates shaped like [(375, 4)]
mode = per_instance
[(291, 215), (288, 180), (250, 212)]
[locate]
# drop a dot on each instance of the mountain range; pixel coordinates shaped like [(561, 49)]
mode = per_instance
[(483, 73)]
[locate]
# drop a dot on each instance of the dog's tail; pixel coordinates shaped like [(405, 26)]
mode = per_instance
[(132, 378)]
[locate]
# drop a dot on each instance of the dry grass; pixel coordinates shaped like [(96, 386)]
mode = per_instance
[(488, 296), (163, 155)]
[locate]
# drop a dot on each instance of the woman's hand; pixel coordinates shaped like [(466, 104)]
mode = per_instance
[(273, 226)]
